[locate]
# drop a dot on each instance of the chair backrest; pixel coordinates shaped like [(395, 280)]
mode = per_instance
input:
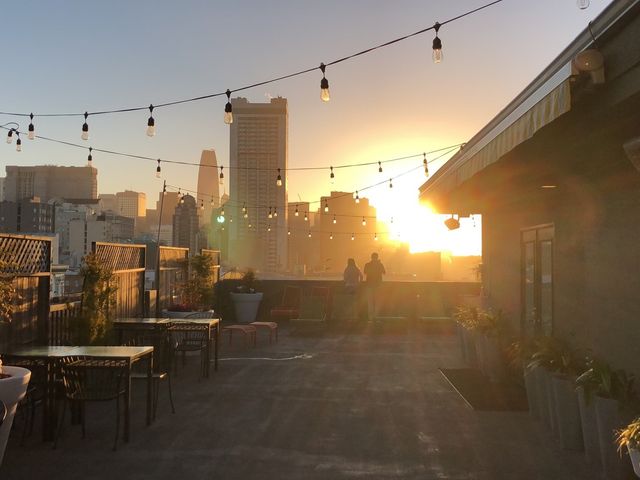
[(185, 335), (205, 314), (88, 378), (161, 343), (291, 296), (312, 308)]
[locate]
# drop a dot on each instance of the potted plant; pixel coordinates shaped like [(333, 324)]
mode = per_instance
[(629, 437), (519, 354), (489, 330), (246, 300), (197, 293), (466, 318), (612, 394), (13, 380)]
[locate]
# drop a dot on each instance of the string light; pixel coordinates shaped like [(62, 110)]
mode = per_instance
[(275, 211), (222, 211), (151, 123), (326, 206), (158, 170), (85, 128), (244, 207), (211, 202), (18, 143), (437, 45), (201, 204), (375, 236), (331, 236), (379, 167), (583, 4), (90, 157), (309, 234), (270, 215), (269, 228), (246, 214), (334, 219), (221, 175), (296, 212), (357, 197), (332, 176), (306, 217), (324, 85), (10, 136), (279, 179), (364, 222), (390, 184), (288, 232), (228, 109), (32, 129), (353, 237), (426, 165)]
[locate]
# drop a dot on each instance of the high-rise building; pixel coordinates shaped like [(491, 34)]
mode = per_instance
[(48, 182), (186, 228), (167, 202), (27, 216), (258, 148), (2, 182), (106, 227), (131, 204), (208, 181), (108, 201)]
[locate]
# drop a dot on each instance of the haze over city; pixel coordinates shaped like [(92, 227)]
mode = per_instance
[(391, 103)]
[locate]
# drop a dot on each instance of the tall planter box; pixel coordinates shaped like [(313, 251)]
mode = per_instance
[(470, 347), (246, 306), (461, 338), (567, 412), (590, 436), (542, 381), (634, 455), (551, 402), (493, 366), (609, 419), (12, 390)]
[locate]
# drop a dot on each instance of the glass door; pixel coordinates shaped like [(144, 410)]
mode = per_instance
[(537, 280)]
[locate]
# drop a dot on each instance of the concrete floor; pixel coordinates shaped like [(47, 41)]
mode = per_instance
[(358, 405)]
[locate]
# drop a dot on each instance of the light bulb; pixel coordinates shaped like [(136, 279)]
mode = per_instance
[(18, 145), (326, 207), (390, 184), (249, 225), (244, 207), (357, 197), (364, 222), (211, 202), (275, 211), (222, 212), (89, 158), (353, 237), (151, 123), (582, 4), (324, 86), (306, 218), (309, 235), (379, 167), (221, 176), (437, 46), (268, 228), (158, 169), (201, 204), (331, 236), (10, 136), (32, 129), (296, 212), (270, 215), (85, 128), (288, 232), (334, 220), (246, 215), (332, 177), (375, 237), (279, 179), (228, 110)]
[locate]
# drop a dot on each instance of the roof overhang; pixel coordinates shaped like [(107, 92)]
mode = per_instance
[(545, 99)]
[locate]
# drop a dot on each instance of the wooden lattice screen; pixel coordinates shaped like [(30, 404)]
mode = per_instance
[(28, 260), (128, 264), (173, 271)]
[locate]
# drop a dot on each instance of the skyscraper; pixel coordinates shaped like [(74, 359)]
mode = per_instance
[(185, 225), (258, 148), (208, 181), (47, 182)]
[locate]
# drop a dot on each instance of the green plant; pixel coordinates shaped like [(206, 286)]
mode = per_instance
[(247, 283), (198, 290), (602, 380), (487, 322), (519, 353), (557, 355), (93, 322), (629, 435), (8, 292)]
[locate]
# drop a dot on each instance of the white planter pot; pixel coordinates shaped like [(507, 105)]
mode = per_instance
[(246, 306), (634, 454), (12, 390)]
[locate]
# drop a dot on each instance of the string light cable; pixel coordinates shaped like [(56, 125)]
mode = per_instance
[(228, 92)]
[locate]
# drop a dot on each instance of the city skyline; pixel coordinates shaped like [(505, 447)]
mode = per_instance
[(431, 111)]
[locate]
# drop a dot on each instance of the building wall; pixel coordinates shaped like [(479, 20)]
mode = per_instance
[(48, 182), (208, 184), (27, 216), (186, 225), (131, 204)]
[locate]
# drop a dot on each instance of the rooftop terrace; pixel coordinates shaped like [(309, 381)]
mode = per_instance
[(341, 405)]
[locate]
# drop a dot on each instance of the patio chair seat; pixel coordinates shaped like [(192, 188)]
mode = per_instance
[(271, 326), (288, 307), (249, 332)]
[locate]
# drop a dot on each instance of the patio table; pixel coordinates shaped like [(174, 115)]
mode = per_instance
[(52, 356), (214, 334), (138, 325)]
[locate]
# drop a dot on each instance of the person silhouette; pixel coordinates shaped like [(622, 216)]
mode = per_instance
[(352, 276), (373, 272)]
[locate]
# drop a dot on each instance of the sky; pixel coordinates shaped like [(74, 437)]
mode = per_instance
[(73, 56)]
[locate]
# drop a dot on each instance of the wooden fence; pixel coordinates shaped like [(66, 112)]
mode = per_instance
[(171, 274), (59, 324), (27, 260), (127, 262), (215, 255)]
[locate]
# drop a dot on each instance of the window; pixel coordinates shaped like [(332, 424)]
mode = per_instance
[(536, 246)]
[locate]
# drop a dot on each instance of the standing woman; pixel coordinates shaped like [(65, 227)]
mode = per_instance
[(352, 276)]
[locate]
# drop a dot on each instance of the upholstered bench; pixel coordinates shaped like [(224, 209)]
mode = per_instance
[(249, 332), (271, 326)]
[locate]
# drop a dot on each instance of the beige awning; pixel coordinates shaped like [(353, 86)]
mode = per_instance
[(509, 129)]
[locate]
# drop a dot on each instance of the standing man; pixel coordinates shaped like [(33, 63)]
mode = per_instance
[(373, 272)]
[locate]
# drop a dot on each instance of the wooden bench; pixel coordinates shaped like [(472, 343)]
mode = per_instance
[(271, 326), (249, 332)]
